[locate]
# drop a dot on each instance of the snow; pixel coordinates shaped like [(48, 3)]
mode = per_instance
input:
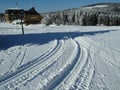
[(16, 21), (60, 57), (96, 6), (101, 6)]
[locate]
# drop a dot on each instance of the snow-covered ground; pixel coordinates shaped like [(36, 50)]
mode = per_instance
[(59, 57), (96, 6)]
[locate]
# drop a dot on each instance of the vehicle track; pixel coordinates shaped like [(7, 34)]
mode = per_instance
[(84, 72), (58, 70), (19, 59), (47, 78), (76, 74), (66, 82), (28, 71)]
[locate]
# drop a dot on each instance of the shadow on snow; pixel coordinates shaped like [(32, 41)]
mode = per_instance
[(7, 41)]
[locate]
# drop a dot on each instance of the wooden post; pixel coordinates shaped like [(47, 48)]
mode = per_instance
[(22, 22), (22, 27)]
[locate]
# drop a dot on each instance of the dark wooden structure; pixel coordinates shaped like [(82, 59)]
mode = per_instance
[(32, 16), (29, 17), (13, 14)]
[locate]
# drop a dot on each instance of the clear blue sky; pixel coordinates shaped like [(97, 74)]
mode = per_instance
[(48, 5)]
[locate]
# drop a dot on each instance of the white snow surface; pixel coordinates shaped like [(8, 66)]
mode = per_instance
[(96, 6), (59, 57), (100, 6)]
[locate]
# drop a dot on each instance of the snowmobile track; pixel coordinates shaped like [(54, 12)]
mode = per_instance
[(79, 62), (58, 66), (25, 71)]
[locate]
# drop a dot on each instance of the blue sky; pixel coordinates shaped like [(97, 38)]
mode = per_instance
[(48, 5)]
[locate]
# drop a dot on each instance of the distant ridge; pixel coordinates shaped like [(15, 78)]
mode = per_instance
[(105, 3), (111, 7)]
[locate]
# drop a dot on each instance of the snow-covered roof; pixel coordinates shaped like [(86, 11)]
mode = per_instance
[(14, 9)]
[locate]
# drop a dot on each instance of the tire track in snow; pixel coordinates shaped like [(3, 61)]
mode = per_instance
[(83, 81), (39, 58), (84, 73), (48, 76), (27, 71), (23, 57), (67, 69), (66, 79), (21, 51), (49, 73), (93, 50), (79, 62), (19, 59)]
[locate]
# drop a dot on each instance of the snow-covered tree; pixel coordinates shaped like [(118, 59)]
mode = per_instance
[(80, 17)]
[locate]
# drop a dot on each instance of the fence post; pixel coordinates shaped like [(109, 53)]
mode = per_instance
[(21, 14)]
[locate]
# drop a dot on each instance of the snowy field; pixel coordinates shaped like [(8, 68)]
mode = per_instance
[(59, 57)]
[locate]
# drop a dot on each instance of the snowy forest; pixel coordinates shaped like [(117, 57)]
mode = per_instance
[(78, 17), (107, 14)]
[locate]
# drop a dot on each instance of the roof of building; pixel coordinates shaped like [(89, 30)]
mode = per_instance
[(31, 11)]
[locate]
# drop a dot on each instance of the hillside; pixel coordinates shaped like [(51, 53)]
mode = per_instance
[(104, 7), (96, 14)]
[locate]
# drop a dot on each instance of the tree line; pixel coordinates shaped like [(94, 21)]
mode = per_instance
[(78, 17)]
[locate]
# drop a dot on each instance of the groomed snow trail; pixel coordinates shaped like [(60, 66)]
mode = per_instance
[(30, 69), (68, 58)]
